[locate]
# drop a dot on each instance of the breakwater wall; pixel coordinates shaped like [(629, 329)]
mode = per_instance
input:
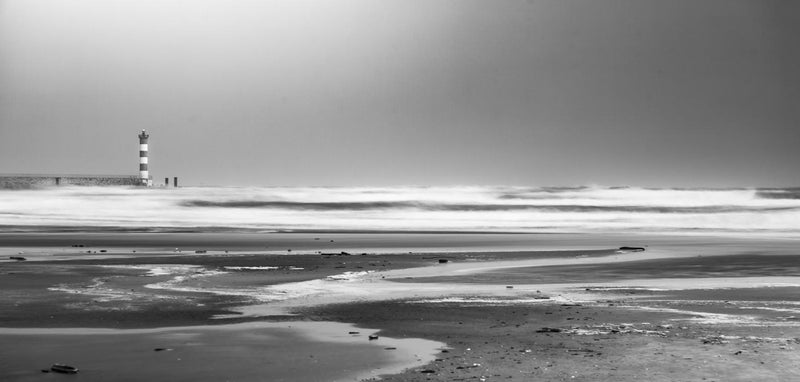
[(41, 181)]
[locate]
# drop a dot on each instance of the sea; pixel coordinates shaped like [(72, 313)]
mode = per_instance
[(473, 209)]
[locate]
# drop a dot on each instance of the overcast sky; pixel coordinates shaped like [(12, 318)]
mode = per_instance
[(405, 92)]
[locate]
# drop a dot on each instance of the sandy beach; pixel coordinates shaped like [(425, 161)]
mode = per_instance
[(510, 307), (394, 190)]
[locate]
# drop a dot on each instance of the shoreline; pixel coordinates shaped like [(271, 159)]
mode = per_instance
[(467, 304), (334, 352)]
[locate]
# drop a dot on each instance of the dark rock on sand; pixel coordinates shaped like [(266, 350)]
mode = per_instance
[(714, 340), (549, 330), (65, 369), (632, 249)]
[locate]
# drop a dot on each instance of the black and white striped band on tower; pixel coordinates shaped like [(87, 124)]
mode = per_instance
[(144, 175)]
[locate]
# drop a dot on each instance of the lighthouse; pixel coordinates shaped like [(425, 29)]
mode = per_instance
[(144, 175)]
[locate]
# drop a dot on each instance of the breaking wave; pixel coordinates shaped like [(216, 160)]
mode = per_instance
[(333, 206), (481, 209), (778, 193)]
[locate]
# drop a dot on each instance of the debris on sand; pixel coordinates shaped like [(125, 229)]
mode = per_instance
[(65, 369), (548, 330), (580, 351), (605, 329), (714, 340), (632, 249), (373, 337), (18, 258)]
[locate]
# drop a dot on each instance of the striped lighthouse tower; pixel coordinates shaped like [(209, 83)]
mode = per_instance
[(144, 175)]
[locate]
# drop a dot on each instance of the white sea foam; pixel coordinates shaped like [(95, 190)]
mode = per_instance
[(154, 270), (483, 301), (770, 308), (621, 288), (707, 317), (235, 268), (182, 276), (101, 292), (491, 209), (348, 276)]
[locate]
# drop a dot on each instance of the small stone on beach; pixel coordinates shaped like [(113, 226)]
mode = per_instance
[(548, 330)]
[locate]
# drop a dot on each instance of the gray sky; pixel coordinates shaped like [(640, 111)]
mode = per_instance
[(399, 92)]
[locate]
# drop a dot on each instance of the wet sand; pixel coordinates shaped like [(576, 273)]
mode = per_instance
[(687, 308), (288, 351)]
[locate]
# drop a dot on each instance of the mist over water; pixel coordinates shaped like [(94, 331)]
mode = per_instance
[(482, 209)]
